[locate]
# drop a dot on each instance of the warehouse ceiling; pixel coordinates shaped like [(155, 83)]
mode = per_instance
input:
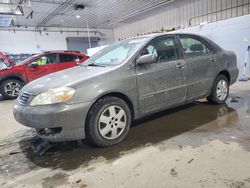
[(77, 13), (9, 8)]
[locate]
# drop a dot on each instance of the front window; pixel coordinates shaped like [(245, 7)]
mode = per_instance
[(116, 53), (163, 48), (46, 59)]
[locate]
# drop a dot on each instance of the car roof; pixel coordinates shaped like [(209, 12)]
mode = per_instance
[(172, 33), (63, 52), (154, 35)]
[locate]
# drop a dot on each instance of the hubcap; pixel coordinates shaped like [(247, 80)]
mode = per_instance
[(112, 122), (222, 90), (12, 89)]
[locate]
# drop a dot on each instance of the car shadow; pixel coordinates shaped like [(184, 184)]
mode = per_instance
[(3, 99), (151, 130)]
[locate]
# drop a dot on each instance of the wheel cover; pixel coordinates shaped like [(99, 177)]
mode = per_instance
[(221, 90), (12, 89), (112, 122)]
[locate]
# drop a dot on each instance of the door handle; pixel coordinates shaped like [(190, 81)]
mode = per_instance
[(212, 59), (180, 65)]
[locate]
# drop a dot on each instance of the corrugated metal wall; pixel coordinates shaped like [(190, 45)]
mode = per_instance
[(183, 13)]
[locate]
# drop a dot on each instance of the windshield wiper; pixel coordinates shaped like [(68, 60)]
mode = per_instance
[(95, 65)]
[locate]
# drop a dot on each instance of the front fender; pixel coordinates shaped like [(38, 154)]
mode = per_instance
[(13, 76)]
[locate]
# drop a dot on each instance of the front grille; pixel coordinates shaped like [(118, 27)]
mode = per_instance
[(23, 98)]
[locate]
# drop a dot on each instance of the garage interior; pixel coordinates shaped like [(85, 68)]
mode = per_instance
[(193, 145)]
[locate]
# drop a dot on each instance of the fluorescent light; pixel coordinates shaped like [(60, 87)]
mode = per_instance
[(78, 16), (18, 12)]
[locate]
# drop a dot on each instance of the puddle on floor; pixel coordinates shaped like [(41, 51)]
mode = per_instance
[(152, 130)]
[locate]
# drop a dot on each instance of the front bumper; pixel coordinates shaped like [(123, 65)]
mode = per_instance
[(67, 119)]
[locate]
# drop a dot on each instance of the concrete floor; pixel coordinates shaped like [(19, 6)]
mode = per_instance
[(196, 145)]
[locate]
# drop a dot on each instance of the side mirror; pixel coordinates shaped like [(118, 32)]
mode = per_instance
[(146, 59), (33, 65)]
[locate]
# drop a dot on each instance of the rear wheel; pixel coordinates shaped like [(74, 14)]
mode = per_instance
[(108, 122), (10, 88), (220, 90)]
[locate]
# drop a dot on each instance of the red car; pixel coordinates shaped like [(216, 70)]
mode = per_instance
[(13, 78)]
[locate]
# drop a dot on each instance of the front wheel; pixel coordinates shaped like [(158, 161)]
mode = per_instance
[(219, 91), (108, 122), (10, 88)]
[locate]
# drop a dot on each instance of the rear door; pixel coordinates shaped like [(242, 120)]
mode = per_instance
[(200, 60), (163, 83), (46, 64), (67, 61)]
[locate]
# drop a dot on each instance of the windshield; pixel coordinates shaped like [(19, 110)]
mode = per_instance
[(116, 53), (28, 59)]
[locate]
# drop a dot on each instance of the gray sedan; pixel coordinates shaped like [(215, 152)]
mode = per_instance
[(125, 81)]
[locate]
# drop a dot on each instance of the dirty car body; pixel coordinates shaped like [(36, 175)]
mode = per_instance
[(158, 71)]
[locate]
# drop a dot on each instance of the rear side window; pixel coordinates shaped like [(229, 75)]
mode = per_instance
[(67, 58), (193, 47)]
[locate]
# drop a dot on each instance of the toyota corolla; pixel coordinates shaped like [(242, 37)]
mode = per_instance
[(123, 82)]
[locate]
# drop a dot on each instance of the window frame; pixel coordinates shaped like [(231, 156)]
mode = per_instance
[(176, 44)]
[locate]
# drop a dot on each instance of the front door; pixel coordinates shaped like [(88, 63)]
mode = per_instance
[(200, 60), (46, 64), (163, 83)]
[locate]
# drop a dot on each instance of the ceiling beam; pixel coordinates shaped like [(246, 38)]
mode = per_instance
[(57, 11), (140, 12), (46, 2)]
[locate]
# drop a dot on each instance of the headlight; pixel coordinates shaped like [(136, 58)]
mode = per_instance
[(53, 96)]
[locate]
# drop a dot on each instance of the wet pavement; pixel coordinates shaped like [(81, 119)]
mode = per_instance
[(195, 145)]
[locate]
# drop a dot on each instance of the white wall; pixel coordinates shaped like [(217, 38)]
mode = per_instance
[(178, 13), (232, 34), (34, 42)]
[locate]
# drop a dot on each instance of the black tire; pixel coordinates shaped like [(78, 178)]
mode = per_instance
[(7, 95), (213, 98), (92, 123)]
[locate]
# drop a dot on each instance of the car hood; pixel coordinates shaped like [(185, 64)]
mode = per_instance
[(68, 77), (5, 68)]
